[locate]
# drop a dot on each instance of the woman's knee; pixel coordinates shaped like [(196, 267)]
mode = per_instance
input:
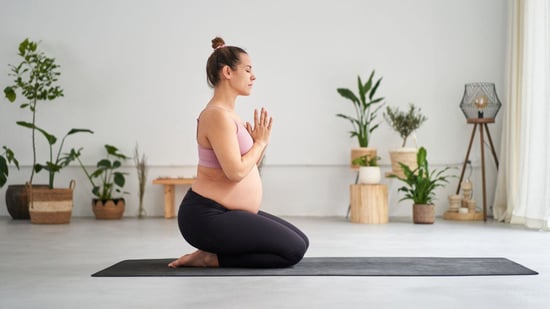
[(295, 253)]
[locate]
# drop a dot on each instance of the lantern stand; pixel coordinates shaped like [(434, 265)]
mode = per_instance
[(482, 123), (480, 105)]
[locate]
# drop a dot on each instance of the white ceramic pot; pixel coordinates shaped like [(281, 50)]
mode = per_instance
[(369, 175)]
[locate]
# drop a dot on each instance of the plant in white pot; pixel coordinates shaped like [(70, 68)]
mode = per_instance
[(35, 77), (369, 171), (107, 184), (404, 123), (420, 187), (366, 106)]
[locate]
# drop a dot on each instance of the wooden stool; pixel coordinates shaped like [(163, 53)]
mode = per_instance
[(369, 203)]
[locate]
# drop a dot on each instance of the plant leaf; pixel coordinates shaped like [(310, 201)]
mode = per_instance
[(9, 92)]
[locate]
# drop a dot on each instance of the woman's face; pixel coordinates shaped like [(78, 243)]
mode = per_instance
[(242, 77)]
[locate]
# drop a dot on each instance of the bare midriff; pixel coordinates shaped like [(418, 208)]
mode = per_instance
[(245, 194)]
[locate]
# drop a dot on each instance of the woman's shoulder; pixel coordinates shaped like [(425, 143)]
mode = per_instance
[(217, 114)]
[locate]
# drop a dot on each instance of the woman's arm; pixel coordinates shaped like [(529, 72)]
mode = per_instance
[(221, 134)]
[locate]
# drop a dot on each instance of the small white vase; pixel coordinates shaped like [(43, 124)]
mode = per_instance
[(369, 175)]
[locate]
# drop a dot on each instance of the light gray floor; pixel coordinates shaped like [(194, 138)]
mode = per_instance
[(50, 267)]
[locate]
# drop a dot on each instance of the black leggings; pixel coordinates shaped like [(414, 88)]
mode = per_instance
[(240, 238)]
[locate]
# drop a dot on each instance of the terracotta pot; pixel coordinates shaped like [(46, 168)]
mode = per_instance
[(109, 209), (423, 213)]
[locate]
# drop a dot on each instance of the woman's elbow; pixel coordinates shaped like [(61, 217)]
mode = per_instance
[(235, 176)]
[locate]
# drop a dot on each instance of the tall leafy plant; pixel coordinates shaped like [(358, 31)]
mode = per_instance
[(366, 108), (35, 77)]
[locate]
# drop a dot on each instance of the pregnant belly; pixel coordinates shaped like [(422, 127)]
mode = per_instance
[(243, 195)]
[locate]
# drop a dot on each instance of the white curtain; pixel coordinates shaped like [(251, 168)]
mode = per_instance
[(523, 183)]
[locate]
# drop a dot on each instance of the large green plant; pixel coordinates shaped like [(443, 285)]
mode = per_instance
[(366, 108), (106, 178), (36, 77), (421, 182), (5, 158), (404, 123)]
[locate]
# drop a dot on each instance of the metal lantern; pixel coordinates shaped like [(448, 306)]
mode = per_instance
[(480, 101)]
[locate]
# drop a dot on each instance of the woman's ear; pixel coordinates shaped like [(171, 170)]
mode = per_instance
[(226, 72)]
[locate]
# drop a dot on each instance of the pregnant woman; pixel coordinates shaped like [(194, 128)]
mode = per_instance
[(220, 215)]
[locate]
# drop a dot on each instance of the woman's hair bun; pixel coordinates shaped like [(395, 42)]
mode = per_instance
[(217, 42)]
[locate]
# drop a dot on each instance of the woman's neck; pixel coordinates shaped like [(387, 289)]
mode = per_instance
[(223, 99)]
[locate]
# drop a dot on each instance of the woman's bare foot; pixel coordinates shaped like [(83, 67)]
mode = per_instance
[(198, 258)]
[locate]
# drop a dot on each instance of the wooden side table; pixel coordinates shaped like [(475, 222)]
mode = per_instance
[(369, 203), (169, 193)]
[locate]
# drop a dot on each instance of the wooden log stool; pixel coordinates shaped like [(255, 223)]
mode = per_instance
[(369, 203)]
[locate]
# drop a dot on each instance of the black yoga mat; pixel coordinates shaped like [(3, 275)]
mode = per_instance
[(331, 266)]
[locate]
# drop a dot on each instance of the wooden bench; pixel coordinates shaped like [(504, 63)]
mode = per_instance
[(169, 192)]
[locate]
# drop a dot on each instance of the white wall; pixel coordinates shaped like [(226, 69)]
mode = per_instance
[(133, 71)]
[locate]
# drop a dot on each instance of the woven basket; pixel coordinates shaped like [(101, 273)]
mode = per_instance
[(50, 206), (108, 210), (406, 156), (423, 213)]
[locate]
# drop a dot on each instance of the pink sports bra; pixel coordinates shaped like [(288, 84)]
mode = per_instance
[(208, 158)]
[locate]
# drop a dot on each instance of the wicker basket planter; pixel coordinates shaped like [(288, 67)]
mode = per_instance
[(108, 210), (423, 213), (50, 206), (406, 156)]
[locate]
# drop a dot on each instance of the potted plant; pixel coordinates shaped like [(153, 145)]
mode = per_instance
[(369, 171), (36, 77), (107, 184), (420, 187), (5, 158), (404, 123), (366, 108)]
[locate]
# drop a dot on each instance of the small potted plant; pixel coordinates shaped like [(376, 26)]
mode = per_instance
[(107, 185), (404, 123), (420, 187), (36, 79), (369, 171), (366, 107)]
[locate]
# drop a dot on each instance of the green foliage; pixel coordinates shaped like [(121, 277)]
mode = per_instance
[(366, 108), (366, 161), (421, 182), (106, 179), (35, 77), (404, 123), (55, 163), (5, 158)]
